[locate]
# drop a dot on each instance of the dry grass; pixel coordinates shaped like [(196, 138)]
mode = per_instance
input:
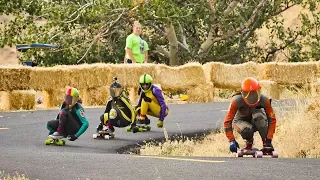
[(298, 125), (16, 176)]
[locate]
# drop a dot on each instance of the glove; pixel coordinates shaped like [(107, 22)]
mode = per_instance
[(160, 124), (72, 137), (147, 99), (233, 146)]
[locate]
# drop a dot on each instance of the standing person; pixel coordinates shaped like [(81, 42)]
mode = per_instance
[(136, 48), (250, 111)]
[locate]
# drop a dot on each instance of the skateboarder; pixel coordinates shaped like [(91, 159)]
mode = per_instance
[(71, 120), (250, 111), (151, 102), (119, 112)]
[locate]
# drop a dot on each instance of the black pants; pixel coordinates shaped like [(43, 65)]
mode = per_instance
[(119, 121), (66, 123), (129, 61)]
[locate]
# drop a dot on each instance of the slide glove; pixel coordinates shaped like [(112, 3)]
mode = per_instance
[(72, 137), (233, 146), (160, 124)]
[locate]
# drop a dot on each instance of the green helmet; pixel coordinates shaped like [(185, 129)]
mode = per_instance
[(145, 79)]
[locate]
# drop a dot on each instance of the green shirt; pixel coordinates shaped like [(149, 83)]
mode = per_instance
[(137, 46)]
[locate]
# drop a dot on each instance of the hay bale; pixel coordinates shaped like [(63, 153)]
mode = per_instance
[(5, 104), (45, 78), (22, 100), (201, 93), (53, 98), (181, 77), (230, 76), (14, 78), (290, 73), (16, 100), (90, 75), (270, 89), (95, 96), (128, 74)]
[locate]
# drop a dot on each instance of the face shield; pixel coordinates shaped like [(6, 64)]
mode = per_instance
[(251, 98), (71, 100), (115, 91)]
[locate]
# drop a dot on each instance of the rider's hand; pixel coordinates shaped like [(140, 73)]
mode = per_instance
[(160, 124), (72, 137), (233, 146)]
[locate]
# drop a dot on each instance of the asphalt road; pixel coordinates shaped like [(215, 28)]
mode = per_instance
[(22, 150)]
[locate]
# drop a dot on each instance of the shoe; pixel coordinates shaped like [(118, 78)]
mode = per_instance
[(267, 145), (99, 128), (58, 135), (248, 145)]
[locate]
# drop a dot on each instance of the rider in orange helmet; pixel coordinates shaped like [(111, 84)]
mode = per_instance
[(250, 111)]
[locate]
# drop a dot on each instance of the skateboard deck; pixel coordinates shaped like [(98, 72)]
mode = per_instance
[(103, 134), (257, 153), (139, 128)]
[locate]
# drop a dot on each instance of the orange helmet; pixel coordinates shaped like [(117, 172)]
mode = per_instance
[(250, 91)]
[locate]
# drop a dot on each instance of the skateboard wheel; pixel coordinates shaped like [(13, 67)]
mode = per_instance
[(258, 154), (48, 141), (148, 128), (239, 154), (95, 136), (135, 129), (275, 154), (106, 136), (60, 143)]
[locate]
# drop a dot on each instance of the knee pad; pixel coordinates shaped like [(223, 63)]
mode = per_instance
[(247, 133), (259, 116)]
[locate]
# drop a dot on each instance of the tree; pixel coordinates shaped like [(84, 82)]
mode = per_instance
[(177, 31)]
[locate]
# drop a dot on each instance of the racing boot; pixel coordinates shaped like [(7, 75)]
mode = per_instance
[(248, 145)]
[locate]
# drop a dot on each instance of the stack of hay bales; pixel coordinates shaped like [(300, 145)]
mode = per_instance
[(290, 73), (227, 76), (52, 81), (189, 76), (15, 78), (22, 100), (301, 73)]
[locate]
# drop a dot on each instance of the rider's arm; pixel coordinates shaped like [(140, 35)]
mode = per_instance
[(160, 98), (271, 117), (84, 121), (228, 120)]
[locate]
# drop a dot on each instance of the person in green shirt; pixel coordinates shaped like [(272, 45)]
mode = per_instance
[(136, 48)]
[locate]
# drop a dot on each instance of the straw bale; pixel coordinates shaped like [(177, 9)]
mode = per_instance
[(5, 104), (16, 100), (53, 98), (14, 78), (181, 77), (128, 74), (270, 89), (47, 78), (95, 96), (230, 76), (90, 75), (22, 100), (290, 73), (201, 93)]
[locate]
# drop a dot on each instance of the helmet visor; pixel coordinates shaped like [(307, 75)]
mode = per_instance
[(71, 100), (115, 92), (251, 98)]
